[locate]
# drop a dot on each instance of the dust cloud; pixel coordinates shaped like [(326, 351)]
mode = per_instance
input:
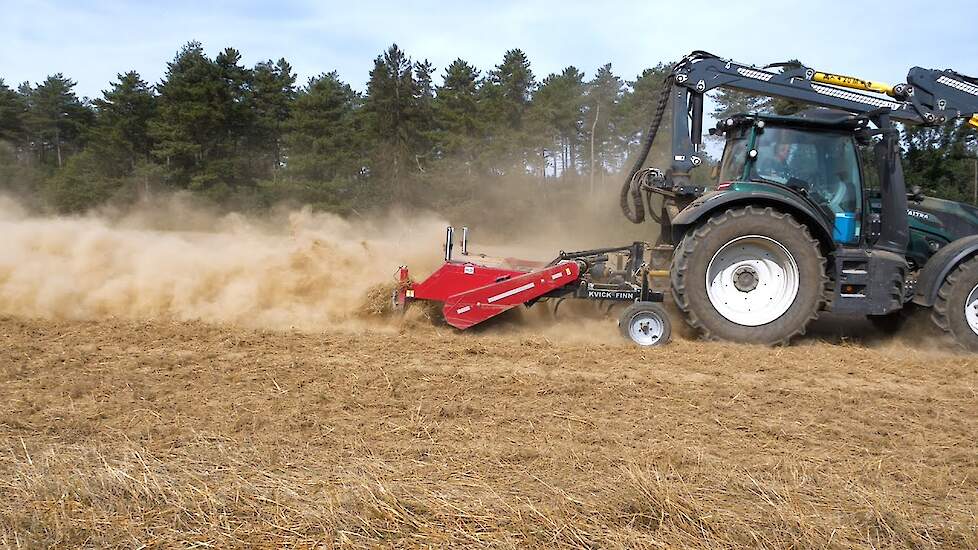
[(173, 260)]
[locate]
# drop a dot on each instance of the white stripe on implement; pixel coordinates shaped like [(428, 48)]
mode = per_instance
[(556, 276), (462, 310), (509, 293)]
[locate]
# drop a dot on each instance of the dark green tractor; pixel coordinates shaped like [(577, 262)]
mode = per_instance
[(809, 212)]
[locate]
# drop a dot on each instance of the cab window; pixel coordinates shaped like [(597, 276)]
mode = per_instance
[(824, 165), (734, 157)]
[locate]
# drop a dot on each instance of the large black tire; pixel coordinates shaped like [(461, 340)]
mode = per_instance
[(697, 249), (949, 310)]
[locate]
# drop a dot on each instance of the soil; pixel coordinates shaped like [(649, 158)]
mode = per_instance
[(120, 432)]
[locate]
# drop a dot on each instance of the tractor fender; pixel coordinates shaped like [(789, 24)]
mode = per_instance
[(705, 206), (940, 265)]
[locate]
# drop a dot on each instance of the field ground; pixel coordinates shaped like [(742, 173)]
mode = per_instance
[(126, 433)]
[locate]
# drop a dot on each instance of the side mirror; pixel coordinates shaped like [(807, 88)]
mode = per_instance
[(916, 194)]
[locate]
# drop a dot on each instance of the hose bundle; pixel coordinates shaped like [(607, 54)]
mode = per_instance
[(635, 210)]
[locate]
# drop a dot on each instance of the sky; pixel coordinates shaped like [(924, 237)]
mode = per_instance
[(92, 41)]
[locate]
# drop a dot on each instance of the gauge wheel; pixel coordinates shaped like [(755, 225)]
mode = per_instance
[(751, 275), (956, 309), (646, 324)]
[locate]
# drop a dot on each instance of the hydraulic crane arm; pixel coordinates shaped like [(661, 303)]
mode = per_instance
[(947, 83), (928, 90), (946, 93), (928, 97)]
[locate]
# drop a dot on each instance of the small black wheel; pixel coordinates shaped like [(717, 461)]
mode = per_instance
[(646, 324)]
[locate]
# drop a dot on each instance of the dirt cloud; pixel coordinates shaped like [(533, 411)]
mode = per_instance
[(172, 260), (175, 258)]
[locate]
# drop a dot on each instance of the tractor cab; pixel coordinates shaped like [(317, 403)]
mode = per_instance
[(814, 157)]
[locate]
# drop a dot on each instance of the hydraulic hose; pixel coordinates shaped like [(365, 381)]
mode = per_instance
[(634, 210)]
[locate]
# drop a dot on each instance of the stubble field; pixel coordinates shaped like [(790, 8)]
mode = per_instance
[(159, 434)]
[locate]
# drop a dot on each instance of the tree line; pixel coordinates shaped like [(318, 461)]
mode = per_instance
[(226, 131), (255, 136)]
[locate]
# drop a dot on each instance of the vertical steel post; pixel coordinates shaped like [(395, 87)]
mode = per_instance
[(449, 237)]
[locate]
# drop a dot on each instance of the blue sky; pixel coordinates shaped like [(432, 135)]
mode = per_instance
[(91, 41)]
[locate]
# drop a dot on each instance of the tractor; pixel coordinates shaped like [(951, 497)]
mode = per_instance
[(810, 212)]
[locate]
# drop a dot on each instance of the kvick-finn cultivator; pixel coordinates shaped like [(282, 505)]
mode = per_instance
[(474, 287)]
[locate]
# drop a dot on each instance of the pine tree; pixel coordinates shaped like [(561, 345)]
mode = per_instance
[(234, 101), (116, 141), (270, 99), (423, 113), (393, 123), (121, 133), (13, 111), (15, 175), (507, 95), (511, 85), (459, 128), (322, 142), (204, 120), (322, 147), (556, 118), (56, 119), (604, 115), (188, 130)]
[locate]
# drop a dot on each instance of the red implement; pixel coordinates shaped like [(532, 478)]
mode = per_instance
[(476, 287), (473, 293)]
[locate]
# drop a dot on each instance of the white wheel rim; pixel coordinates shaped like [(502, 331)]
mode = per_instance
[(971, 309), (645, 328), (752, 280)]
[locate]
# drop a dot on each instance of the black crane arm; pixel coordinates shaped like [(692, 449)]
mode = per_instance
[(928, 97)]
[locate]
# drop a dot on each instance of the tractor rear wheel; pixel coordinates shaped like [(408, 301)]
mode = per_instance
[(749, 275), (956, 309)]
